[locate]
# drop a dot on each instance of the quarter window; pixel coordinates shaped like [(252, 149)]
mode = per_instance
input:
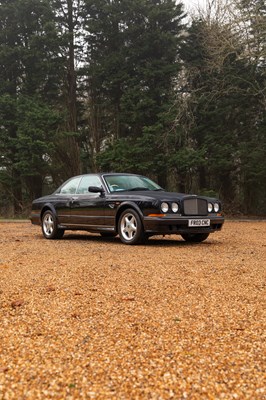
[(70, 187)]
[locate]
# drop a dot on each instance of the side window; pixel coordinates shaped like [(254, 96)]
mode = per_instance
[(70, 187), (86, 181)]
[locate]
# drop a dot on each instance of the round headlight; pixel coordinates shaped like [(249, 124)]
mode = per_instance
[(174, 207), (164, 207), (216, 207), (209, 207)]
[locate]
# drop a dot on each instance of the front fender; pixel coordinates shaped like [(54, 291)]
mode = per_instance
[(128, 204)]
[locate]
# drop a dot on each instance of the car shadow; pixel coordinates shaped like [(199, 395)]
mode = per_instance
[(153, 241)]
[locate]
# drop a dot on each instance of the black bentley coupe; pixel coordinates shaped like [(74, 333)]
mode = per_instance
[(132, 206)]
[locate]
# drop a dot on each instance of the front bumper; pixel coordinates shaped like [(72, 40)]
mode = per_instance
[(179, 224)]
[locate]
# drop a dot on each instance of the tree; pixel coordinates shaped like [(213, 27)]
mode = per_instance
[(225, 96), (131, 64), (29, 70), (67, 14), (251, 20)]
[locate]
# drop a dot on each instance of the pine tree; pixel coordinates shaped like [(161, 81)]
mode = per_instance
[(225, 98), (29, 75), (131, 64)]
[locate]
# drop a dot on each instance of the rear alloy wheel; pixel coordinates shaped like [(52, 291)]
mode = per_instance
[(130, 227), (195, 237), (50, 228)]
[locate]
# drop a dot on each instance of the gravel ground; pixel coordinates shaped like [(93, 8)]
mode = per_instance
[(90, 318)]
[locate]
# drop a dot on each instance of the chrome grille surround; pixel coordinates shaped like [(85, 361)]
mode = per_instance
[(195, 206)]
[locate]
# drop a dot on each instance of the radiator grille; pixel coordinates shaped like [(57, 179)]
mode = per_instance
[(195, 207)]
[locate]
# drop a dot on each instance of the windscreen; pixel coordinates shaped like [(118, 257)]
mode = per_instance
[(118, 183)]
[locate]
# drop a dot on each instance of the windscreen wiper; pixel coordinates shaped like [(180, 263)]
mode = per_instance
[(138, 188)]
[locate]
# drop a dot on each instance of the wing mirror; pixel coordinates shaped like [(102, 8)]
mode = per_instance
[(96, 189)]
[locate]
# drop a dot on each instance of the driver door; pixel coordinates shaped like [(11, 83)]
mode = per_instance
[(88, 209)]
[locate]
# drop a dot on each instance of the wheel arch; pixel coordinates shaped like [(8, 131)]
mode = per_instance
[(124, 206), (48, 207)]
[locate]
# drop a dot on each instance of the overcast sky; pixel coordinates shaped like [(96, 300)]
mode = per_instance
[(190, 4)]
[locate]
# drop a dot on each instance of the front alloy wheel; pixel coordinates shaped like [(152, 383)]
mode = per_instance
[(50, 229), (130, 227)]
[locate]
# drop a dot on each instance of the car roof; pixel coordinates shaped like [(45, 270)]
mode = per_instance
[(103, 173), (117, 173)]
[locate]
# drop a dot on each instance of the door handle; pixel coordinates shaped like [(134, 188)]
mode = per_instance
[(74, 200)]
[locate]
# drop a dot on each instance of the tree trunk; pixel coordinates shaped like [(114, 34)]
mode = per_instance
[(73, 146), (35, 184), (17, 193), (202, 178)]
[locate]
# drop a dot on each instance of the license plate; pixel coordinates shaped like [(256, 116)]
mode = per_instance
[(198, 222)]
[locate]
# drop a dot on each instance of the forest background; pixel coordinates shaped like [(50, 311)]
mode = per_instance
[(135, 86)]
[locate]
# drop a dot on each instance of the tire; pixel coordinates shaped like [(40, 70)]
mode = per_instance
[(130, 228), (195, 237), (108, 234), (50, 228)]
